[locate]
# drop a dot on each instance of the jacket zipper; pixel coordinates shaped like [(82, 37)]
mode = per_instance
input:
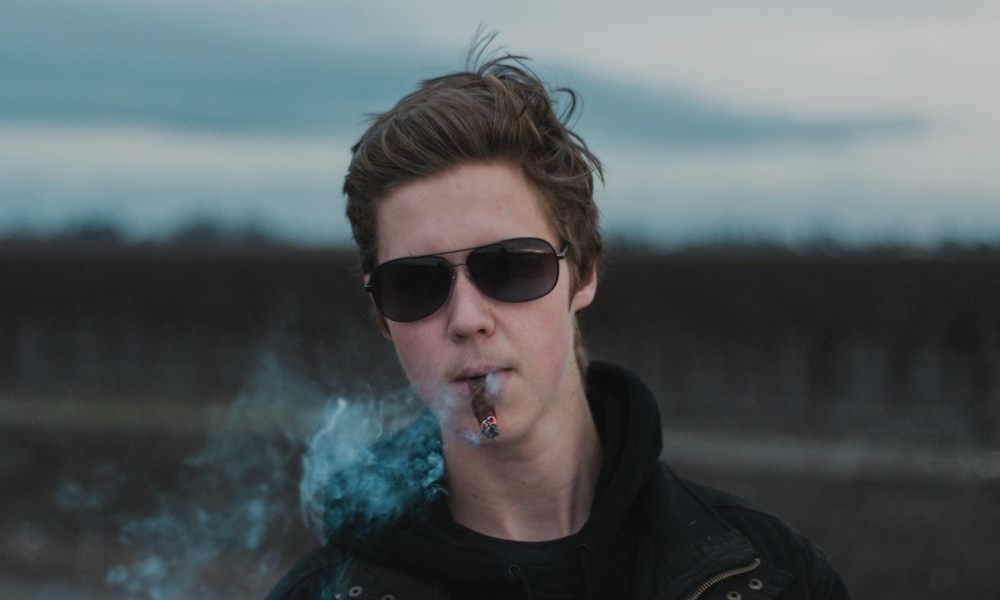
[(722, 577)]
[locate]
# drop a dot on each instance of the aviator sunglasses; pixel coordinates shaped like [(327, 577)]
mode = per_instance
[(414, 287)]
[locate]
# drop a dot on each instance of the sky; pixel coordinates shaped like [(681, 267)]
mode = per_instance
[(863, 121)]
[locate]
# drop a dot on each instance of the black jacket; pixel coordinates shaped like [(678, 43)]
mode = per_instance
[(650, 534)]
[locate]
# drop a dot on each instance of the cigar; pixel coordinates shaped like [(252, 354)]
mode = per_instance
[(485, 413)]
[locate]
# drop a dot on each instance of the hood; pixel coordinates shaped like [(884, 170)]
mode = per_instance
[(421, 537)]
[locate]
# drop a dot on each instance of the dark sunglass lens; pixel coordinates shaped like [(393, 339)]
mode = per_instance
[(515, 270), (410, 289)]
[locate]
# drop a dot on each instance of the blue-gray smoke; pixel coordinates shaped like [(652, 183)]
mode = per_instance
[(224, 529), (350, 482)]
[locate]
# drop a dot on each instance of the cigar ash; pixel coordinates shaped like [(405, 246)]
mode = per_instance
[(483, 409)]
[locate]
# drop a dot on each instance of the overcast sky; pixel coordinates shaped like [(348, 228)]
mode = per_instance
[(865, 120)]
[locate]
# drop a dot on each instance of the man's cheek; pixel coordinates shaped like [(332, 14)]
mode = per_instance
[(422, 377)]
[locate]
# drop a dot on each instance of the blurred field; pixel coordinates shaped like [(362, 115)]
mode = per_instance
[(155, 401)]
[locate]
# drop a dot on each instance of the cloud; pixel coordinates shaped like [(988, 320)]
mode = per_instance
[(106, 63), (627, 113)]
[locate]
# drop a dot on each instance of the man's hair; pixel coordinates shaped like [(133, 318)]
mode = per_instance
[(496, 111)]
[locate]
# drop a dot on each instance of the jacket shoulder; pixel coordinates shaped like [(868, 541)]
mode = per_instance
[(331, 573), (777, 542), (311, 577)]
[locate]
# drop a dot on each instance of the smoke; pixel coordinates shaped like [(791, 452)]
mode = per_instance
[(257, 493), (492, 384), (356, 478), (73, 496), (229, 500)]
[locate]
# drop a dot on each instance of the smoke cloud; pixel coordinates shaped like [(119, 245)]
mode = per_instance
[(350, 482), (273, 466)]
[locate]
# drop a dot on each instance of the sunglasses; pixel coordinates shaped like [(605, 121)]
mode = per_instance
[(414, 287)]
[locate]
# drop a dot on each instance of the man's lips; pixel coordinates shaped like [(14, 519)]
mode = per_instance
[(467, 374), (495, 378)]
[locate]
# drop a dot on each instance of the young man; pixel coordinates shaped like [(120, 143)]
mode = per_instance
[(472, 205)]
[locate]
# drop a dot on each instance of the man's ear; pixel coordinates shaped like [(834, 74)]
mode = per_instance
[(584, 295)]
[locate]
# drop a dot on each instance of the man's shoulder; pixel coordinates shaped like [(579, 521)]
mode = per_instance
[(316, 571), (774, 539), (763, 527)]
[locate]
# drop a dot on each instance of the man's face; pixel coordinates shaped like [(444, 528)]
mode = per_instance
[(527, 347)]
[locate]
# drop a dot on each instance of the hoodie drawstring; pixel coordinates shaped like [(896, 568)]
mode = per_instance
[(516, 572), (583, 562)]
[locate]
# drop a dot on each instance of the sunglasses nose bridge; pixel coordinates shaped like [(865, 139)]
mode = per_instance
[(453, 267)]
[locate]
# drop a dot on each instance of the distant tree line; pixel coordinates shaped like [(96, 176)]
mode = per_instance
[(885, 340)]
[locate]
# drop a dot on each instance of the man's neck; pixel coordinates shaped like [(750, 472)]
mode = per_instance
[(540, 489)]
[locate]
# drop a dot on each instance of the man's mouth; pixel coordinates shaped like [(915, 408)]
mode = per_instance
[(492, 378), (467, 374)]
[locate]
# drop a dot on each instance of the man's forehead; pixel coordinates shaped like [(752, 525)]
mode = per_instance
[(469, 206)]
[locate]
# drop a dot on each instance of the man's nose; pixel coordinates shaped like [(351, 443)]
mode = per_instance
[(470, 312)]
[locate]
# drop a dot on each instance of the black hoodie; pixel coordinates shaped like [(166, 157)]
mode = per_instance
[(650, 534)]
